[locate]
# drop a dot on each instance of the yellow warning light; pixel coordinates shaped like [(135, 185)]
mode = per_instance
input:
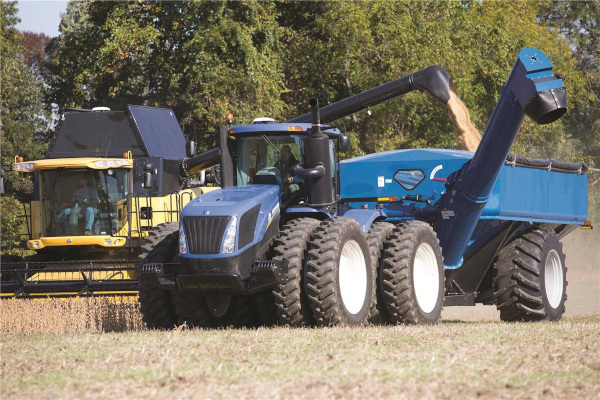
[(295, 128), (19, 159), (587, 225), (231, 131), (229, 118)]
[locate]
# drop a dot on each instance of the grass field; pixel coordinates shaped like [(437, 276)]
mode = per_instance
[(484, 359), (99, 349)]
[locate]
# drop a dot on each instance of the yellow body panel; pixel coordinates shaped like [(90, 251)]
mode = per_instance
[(99, 240), (81, 162)]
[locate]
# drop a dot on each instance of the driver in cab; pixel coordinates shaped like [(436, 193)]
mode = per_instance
[(84, 197), (286, 166)]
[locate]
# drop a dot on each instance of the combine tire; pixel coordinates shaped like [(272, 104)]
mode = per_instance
[(377, 237), (339, 280), (412, 274), (530, 279), (157, 305), (290, 299)]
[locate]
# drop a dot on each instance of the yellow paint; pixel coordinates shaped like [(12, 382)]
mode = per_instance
[(82, 162), (76, 241)]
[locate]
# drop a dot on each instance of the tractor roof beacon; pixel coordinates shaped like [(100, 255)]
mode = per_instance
[(425, 228)]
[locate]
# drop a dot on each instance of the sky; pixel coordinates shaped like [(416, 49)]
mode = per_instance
[(40, 15)]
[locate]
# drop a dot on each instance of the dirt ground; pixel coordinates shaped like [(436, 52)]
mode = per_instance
[(582, 249)]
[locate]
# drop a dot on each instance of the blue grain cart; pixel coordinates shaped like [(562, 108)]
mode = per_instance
[(294, 236)]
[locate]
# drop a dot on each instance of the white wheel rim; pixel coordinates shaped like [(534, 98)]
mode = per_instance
[(353, 277), (426, 278), (218, 304), (553, 278)]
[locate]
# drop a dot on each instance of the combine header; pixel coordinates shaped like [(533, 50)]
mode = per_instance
[(294, 236), (108, 179)]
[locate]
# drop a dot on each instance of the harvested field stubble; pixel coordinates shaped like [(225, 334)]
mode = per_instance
[(69, 315), (446, 361)]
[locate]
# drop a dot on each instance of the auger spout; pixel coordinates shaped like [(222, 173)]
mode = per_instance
[(532, 89), (433, 80)]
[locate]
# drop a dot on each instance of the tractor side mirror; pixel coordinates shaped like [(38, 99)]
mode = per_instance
[(190, 148), (147, 184), (344, 142)]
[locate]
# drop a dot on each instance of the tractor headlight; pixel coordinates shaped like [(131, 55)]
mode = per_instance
[(182, 241), (229, 243)]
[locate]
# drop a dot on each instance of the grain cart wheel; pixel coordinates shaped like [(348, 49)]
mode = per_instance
[(377, 237), (339, 280), (290, 299), (530, 279), (156, 305), (412, 274)]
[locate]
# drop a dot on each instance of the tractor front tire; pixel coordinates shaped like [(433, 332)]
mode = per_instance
[(530, 279), (412, 274), (377, 236), (201, 310), (156, 304), (290, 298), (339, 277)]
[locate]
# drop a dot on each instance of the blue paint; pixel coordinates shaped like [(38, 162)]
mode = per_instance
[(364, 217)]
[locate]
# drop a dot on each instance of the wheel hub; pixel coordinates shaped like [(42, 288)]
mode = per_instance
[(553, 278), (426, 277), (353, 277)]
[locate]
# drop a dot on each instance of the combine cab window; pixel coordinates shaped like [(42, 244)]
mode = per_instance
[(268, 160), (79, 202)]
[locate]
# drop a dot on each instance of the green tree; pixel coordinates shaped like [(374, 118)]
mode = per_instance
[(23, 123)]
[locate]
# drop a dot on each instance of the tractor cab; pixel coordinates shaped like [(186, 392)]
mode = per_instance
[(269, 154)]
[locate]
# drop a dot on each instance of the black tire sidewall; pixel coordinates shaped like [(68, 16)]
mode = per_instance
[(552, 243), (427, 236), (353, 231)]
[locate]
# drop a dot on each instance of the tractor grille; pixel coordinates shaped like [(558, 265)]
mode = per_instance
[(204, 234)]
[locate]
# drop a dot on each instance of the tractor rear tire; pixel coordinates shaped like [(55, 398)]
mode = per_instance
[(530, 279), (377, 236), (339, 280), (412, 274), (156, 304), (291, 245)]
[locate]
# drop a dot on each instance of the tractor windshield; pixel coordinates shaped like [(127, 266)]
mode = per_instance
[(83, 201), (268, 160)]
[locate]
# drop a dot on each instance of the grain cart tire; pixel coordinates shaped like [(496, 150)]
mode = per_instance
[(339, 280), (531, 279), (377, 237), (290, 298), (156, 304), (412, 274)]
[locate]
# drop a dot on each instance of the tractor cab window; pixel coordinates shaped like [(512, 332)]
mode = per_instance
[(269, 160), (77, 202)]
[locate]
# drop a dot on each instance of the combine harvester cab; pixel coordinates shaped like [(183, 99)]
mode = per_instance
[(108, 178), (387, 237)]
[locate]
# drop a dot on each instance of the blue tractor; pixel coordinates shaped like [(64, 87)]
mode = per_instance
[(294, 237)]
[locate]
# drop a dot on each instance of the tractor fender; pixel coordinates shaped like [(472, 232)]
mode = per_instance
[(365, 218)]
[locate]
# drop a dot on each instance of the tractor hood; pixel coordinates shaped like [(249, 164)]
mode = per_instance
[(207, 219)]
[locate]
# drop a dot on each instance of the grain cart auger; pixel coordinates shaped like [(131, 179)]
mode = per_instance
[(294, 234), (108, 179)]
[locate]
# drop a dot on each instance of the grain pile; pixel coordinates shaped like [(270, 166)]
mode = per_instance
[(467, 136), (69, 315)]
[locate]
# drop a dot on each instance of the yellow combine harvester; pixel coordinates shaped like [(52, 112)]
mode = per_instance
[(108, 178)]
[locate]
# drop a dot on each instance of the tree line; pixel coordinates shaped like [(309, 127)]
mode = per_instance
[(204, 59)]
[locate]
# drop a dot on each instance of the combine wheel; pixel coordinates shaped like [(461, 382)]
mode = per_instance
[(377, 237), (412, 274), (156, 304), (339, 280), (530, 278), (290, 299)]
